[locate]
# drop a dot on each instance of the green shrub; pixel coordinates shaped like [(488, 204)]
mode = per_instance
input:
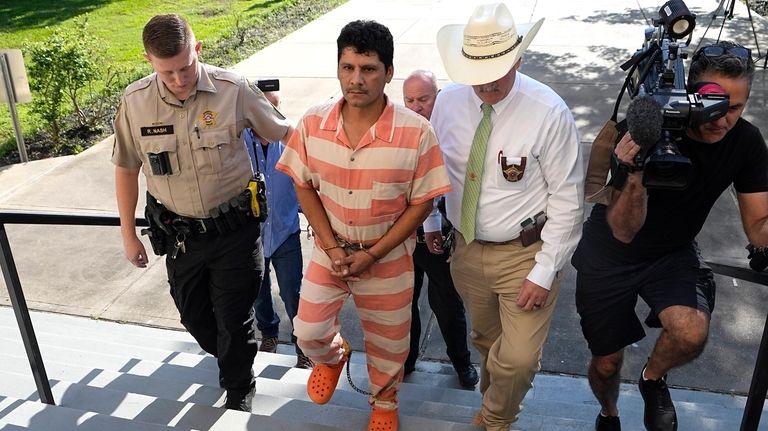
[(61, 68), (75, 84)]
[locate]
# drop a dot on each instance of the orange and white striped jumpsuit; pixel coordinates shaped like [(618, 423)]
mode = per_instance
[(363, 191)]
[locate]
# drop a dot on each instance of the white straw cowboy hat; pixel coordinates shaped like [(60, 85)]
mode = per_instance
[(487, 47)]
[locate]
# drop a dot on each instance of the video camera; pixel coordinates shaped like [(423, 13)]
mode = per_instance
[(656, 75)]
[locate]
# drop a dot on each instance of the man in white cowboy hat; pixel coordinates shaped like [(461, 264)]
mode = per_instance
[(514, 161)]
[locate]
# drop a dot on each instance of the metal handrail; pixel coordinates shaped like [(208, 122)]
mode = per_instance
[(759, 385), (13, 283), (723, 266)]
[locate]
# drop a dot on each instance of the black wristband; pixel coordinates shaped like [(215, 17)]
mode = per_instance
[(620, 173), (619, 179), (628, 168)]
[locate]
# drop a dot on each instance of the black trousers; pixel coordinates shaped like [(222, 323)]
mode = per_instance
[(446, 304), (214, 283)]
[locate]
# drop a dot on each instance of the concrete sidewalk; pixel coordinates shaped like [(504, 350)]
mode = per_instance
[(81, 270)]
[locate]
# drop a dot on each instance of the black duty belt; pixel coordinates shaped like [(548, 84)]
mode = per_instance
[(188, 225), (227, 217)]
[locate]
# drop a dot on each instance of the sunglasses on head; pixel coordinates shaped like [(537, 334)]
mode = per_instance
[(717, 51)]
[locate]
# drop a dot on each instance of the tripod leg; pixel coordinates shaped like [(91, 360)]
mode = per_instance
[(754, 34), (722, 26), (727, 14), (720, 9)]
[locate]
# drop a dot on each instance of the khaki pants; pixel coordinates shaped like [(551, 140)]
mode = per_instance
[(510, 340)]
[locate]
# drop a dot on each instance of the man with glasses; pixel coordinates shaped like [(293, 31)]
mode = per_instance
[(643, 244)]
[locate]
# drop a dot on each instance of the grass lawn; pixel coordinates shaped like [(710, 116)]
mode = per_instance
[(119, 24)]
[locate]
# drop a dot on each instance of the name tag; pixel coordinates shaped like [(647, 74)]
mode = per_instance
[(157, 130)]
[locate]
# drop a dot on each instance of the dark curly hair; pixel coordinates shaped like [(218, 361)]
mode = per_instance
[(367, 36), (727, 64)]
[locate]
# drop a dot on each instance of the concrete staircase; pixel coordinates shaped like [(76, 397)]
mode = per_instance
[(107, 376)]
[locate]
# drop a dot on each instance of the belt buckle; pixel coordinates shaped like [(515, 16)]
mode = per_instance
[(181, 225), (201, 227)]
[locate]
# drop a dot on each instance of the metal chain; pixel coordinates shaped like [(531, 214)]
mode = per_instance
[(310, 232), (349, 378)]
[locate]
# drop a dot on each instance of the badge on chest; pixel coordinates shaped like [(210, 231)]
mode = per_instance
[(208, 119)]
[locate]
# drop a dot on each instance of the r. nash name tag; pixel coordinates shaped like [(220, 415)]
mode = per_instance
[(157, 130)]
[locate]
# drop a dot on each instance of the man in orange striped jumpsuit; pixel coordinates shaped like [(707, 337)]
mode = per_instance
[(365, 172)]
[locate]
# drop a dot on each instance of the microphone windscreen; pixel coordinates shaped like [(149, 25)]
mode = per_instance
[(644, 121)]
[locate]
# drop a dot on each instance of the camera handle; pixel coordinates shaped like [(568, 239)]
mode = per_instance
[(631, 66)]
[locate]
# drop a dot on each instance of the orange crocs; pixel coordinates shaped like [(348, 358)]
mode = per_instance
[(322, 382), (383, 420)]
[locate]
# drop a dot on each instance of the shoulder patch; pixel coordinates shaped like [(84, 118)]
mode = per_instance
[(140, 84)]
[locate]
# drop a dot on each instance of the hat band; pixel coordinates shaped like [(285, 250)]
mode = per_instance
[(499, 54)]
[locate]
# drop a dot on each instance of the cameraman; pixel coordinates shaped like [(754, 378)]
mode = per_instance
[(643, 244)]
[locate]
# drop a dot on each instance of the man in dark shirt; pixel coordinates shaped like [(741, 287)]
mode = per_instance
[(419, 94), (643, 244)]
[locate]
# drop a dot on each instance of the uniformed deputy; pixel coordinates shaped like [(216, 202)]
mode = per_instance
[(181, 126)]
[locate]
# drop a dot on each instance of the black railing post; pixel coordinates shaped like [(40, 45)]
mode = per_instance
[(13, 284), (759, 386), (23, 319)]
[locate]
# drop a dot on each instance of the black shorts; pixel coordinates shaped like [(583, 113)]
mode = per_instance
[(606, 300)]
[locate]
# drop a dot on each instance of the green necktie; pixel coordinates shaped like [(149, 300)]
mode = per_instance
[(474, 176)]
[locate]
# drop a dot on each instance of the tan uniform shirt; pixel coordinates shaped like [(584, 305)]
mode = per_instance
[(208, 162)]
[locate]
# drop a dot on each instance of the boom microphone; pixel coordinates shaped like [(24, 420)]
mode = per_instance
[(644, 121)]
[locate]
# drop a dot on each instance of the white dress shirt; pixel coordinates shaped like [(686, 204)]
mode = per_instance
[(532, 122)]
